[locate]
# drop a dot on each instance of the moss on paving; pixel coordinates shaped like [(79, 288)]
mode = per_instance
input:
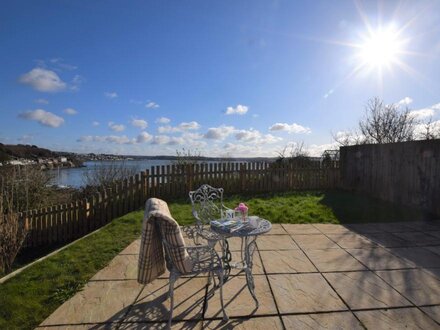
[(28, 298)]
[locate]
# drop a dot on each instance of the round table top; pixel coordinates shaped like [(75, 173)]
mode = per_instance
[(257, 226)]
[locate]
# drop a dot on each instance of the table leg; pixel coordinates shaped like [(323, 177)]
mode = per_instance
[(226, 259), (249, 248)]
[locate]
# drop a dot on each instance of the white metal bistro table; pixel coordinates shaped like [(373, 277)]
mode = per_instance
[(257, 226)]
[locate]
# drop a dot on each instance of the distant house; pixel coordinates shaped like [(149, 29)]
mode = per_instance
[(15, 162), (63, 159)]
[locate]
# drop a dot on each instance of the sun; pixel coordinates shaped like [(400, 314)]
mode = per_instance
[(381, 48)]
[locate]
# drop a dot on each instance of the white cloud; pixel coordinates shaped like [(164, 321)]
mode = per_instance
[(192, 125), (219, 133), (107, 138), (43, 80), (162, 120), (111, 95), (95, 123), (140, 123), (420, 129), (329, 92), (182, 127), (41, 101), (152, 105), (70, 111), (116, 127), (238, 110), (405, 101), (425, 112), (169, 140), (76, 82), (43, 117), (144, 137), (254, 136), (291, 129)]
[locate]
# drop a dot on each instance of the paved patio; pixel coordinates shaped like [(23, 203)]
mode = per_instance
[(377, 276)]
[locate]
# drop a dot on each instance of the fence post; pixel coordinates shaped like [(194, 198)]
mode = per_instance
[(242, 177)]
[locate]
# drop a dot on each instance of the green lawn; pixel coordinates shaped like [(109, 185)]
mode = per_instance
[(28, 298)]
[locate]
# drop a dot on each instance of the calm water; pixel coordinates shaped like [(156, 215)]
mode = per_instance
[(74, 177)]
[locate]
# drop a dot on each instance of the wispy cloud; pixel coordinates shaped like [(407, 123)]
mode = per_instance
[(290, 128), (152, 105), (116, 127), (238, 110), (162, 120), (405, 101), (185, 126), (139, 123), (329, 92), (111, 95), (95, 123), (43, 80), (107, 138), (41, 101), (70, 111), (43, 117)]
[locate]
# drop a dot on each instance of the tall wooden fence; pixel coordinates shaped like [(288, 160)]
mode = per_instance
[(63, 223), (406, 173)]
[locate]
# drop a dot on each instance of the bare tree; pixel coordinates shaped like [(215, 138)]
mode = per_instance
[(12, 229), (431, 130), (386, 123), (348, 138), (103, 176), (187, 157)]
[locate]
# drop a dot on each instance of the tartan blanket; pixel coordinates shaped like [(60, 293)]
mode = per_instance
[(151, 262)]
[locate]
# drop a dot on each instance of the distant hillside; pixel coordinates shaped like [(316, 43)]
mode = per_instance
[(9, 151)]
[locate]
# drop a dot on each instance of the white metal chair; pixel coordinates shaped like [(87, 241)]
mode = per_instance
[(203, 258)]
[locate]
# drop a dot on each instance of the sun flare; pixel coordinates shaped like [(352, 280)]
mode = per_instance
[(381, 48)]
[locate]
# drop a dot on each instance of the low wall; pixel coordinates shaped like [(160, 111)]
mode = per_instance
[(406, 173)]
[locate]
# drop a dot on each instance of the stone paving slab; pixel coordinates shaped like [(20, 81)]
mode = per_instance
[(300, 293), (179, 325), (323, 321), (331, 260), (415, 284), (351, 241), (306, 277), (386, 239), (239, 302), (328, 228), (277, 229), (276, 242), (418, 238), (153, 303), (103, 301), (257, 323), (365, 290), (418, 255), (380, 258), (286, 261), (305, 229), (314, 242), (402, 318), (433, 312)]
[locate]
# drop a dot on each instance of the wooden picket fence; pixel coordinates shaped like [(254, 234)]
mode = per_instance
[(64, 223)]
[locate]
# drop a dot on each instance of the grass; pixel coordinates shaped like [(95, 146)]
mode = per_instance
[(31, 296), (313, 207)]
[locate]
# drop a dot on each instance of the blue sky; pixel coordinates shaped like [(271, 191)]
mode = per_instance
[(228, 78)]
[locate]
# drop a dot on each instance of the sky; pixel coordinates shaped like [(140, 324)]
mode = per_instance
[(218, 78)]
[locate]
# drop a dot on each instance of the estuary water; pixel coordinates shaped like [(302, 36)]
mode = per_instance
[(74, 177)]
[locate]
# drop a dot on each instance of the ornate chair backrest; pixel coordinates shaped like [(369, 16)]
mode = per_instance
[(207, 204)]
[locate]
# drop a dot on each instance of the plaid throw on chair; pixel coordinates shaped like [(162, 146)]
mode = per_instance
[(151, 255)]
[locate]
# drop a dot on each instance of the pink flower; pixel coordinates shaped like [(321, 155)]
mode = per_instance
[(242, 208)]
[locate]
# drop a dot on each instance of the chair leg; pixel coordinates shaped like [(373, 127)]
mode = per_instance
[(171, 295), (225, 316)]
